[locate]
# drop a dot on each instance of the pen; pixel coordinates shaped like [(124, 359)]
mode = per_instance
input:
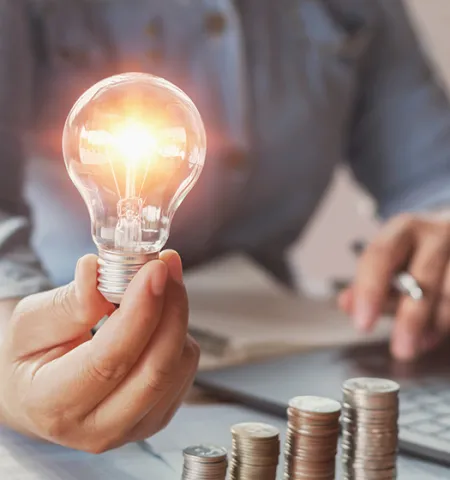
[(403, 282)]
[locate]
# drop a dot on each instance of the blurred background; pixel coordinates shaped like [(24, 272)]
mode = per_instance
[(345, 214), (321, 261)]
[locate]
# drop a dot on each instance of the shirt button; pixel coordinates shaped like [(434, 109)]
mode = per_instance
[(215, 23), (155, 28), (78, 57)]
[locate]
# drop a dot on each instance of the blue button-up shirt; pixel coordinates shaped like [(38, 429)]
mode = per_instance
[(288, 90)]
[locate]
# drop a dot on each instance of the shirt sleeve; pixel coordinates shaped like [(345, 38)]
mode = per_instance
[(400, 139), (21, 273)]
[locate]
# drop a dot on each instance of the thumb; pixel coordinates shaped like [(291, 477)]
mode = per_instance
[(62, 315)]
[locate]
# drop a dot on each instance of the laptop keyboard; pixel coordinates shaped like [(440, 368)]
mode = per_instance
[(424, 420)]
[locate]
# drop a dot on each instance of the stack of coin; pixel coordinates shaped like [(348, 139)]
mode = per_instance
[(255, 452), (205, 462), (369, 429), (312, 438)]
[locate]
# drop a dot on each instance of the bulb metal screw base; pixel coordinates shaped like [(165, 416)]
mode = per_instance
[(116, 271)]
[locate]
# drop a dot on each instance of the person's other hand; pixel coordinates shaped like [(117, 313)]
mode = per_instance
[(421, 246), (96, 393)]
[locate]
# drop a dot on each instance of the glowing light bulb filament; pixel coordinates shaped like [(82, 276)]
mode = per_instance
[(136, 145)]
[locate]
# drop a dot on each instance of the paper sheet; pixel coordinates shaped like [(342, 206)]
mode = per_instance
[(238, 314), (25, 459)]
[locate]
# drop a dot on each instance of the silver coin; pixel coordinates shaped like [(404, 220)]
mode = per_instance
[(255, 430), (205, 451), (368, 386), (205, 462), (313, 404), (255, 451), (311, 439), (369, 429)]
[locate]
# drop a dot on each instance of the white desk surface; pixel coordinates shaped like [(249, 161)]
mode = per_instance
[(24, 459)]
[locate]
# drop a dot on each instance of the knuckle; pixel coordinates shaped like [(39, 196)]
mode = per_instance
[(97, 440), (431, 269), (94, 449), (160, 380), (99, 445), (23, 309), (17, 319), (147, 428), (108, 369), (55, 427), (442, 244), (58, 428), (436, 229), (23, 306), (404, 220), (62, 299)]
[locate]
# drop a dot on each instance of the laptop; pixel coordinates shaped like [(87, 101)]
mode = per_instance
[(424, 422)]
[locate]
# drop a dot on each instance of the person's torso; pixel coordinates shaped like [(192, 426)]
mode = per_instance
[(275, 82)]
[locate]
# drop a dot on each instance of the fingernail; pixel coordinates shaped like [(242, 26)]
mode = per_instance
[(159, 278), (363, 316), (405, 347), (176, 268)]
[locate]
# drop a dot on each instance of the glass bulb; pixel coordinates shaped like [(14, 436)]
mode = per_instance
[(134, 146)]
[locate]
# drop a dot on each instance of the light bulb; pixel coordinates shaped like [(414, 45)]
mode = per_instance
[(134, 146)]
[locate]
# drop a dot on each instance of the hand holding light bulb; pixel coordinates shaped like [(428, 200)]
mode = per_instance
[(133, 170), (63, 385)]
